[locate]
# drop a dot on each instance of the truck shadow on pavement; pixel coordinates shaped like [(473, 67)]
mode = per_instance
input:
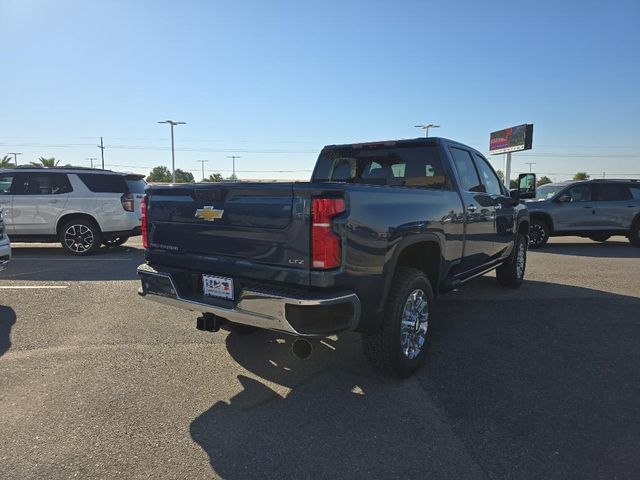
[(7, 320), (53, 264), (608, 249), (541, 382)]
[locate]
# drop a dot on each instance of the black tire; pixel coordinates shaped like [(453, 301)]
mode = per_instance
[(634, 235), (384, 349), (115, 242), (511, 272), (600, 238), (80, 237), (240, 329), (539, 232)]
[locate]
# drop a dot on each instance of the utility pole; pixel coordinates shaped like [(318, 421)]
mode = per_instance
[(426, 128), (91, 159), (203, 162), (234, 166), (530, 163), (173, 152), (15, 157), (101, 147)]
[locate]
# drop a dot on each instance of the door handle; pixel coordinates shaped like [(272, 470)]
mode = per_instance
[(587, 207), (472, 208), (53, 201)]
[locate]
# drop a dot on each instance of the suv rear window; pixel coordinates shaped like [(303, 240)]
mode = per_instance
[(403, 166), (136, 184), (104, 183)]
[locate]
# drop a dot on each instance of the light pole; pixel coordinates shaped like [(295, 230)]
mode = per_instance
[(173, 153), (530, 163), (15, 157), (233, 176), (426, 128), (101, 147), (203, 162)]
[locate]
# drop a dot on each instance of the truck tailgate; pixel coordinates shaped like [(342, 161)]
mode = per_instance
[(260, 223)]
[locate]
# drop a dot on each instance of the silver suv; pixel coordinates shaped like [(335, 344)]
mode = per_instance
[(81, 208), (596, 209)]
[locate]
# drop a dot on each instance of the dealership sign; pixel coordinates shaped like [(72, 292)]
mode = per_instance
[(511, 139)]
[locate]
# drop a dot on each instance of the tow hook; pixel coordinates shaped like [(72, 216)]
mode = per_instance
[(209, 322)]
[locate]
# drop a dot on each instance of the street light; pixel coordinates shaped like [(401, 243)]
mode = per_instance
[(173, 153), (427, 127)]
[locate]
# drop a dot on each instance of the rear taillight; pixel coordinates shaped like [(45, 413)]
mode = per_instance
[(143, 209), (127, 202), (325, 244)]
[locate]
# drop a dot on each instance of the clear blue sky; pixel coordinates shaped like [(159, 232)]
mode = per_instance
[(274, 81)]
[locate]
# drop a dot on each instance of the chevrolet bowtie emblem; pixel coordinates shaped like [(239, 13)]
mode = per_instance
[(209, 213)]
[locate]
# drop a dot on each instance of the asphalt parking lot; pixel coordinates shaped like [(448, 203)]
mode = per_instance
[(541, 382)]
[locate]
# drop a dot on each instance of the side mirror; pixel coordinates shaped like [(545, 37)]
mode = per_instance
[(526, 185)]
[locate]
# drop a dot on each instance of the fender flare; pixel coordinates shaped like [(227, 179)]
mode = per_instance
[(544, 215), (391, 264)]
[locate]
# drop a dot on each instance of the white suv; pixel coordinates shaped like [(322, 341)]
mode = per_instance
[(80, 208)]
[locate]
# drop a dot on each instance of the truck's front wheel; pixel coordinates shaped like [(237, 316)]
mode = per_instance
[(400, 346), (511, 272)]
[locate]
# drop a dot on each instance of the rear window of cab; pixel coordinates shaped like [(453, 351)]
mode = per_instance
[(405, 166)]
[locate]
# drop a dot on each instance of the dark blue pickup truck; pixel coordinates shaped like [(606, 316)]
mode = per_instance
[(367, 245)]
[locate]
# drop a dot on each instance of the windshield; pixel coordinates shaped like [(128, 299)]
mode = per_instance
[(545, 192)]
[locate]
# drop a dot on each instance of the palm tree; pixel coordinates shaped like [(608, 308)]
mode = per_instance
[(5, 162), (46, 162)]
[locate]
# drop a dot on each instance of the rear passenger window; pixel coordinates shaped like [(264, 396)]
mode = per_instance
[(42, 184), (466, 171), (104, 183), (635, 191), (613, 193)]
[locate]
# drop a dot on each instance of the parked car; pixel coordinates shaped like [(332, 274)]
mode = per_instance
[(367, 245), (79, 207), (5, 245), (596, 209)]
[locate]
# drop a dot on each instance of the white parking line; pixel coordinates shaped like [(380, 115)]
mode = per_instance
[(19, 287)]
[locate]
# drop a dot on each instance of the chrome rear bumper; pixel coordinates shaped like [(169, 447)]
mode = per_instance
[(296, 314)]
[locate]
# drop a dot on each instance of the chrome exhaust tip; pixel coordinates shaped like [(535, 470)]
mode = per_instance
[(302, 348)]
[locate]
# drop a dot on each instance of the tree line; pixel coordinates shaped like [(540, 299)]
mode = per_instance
[(543, 180), (162, 174)]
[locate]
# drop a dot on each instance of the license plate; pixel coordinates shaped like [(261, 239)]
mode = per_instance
[(214, 286)]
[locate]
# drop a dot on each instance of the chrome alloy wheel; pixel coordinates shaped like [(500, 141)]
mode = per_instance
[(78, 238), (414, 324), (537, 235), (521, 259)]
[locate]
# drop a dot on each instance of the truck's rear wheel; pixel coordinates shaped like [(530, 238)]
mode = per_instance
[(634, 234), (400, 346)]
